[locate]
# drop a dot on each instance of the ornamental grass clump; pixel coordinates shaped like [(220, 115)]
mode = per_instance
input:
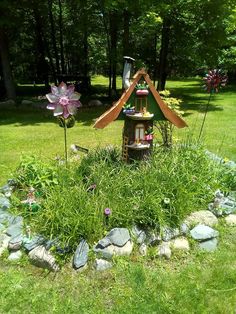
[(150, 194)]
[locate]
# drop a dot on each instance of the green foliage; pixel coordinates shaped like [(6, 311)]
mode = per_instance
[(135, 193), (32, 172)]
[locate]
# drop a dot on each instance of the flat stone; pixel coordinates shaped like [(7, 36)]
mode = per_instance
[(143, 249), (94, 103), (169, 233), (30, 244), (27, 102), (40, 257), (14, 230), (164, 250), (181, 244), (139, 235), (231, 220), (15, 256), (111, 250), (101, 264), (81, 254), (203, 217), (118, 236), (202, 232), (4, 240), (4, 203), (209, 245), (2, 227), (5, 218), (15, 242)]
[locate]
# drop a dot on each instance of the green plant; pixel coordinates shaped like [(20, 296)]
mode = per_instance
[(32, 172), (165, 127)]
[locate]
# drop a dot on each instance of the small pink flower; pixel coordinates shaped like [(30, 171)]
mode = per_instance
[(107, 211), (64, 101)]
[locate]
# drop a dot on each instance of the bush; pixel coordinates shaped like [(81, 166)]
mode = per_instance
[(161, 191)]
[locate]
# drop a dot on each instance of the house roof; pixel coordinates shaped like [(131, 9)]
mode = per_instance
[(111, 114)]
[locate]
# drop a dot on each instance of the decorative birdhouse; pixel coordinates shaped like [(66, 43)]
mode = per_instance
[(140, 104)]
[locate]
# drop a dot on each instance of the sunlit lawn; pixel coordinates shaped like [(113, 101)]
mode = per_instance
[(34, 131)]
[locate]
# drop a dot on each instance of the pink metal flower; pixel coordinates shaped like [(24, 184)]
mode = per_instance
[(214, 80), (64, 101)]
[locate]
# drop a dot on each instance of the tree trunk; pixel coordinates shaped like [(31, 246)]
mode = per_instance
[(61, 37), (165, 38), (42, 65), (6, 68), (53, 37), (126, 24), (85, 39), (113, 35)]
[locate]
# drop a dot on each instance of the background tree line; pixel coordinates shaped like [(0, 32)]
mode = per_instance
[(39, 40)]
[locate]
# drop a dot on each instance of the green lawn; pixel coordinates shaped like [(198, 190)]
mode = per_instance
[(188, 283), (28, 131)]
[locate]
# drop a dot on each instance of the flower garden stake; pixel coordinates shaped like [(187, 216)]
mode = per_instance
[(213, 80), (64, 102)]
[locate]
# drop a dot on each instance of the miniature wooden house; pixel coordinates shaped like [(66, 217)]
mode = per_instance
[(140, 105)]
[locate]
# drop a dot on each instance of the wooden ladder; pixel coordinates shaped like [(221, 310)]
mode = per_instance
[(125, 148)]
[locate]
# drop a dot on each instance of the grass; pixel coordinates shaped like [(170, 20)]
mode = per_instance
[(27, 130), (188, 283)]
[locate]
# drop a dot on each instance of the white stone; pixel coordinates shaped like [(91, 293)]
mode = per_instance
[(101, 264), (204, 217), (120, 251), (15, 256), (231, 220), (4, 240), (164, 250), (143, 249), (181, 244), (40, 257)]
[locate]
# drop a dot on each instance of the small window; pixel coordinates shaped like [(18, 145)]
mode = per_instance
[(139, 132)]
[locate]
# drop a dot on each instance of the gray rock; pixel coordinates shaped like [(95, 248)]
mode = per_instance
[(94, 103), (231, 220), (164, 250), (15, 242), (4, 203), (4, 240), (101, 264), (104, 242), (203, 217), (15, 230), (81, 254), (2, 227), (169, 233), (222, 205), (138, 234), (15, 256), (143, 249), (153, 239), (209, 245), (40, 257), (184, 229), (27, 102), (5, 218), (202, 232), (118, 236), (6, 189), (30, 244), (180, 244)]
